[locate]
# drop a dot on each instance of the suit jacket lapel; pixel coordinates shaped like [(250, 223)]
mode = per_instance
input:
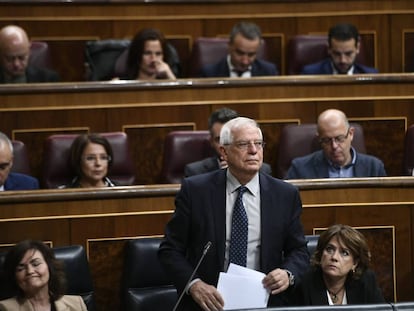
[(321, 166), (318, 294), (9, 184), (60, 305), (218, 195)]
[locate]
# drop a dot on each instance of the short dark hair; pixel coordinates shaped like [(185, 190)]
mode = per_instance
[(221, 115), (247, 29), (80, 143), (136, 49), (352, 239), (343, 32), (57, 280)]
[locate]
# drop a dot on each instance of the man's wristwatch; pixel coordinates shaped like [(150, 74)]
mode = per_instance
[(291, 277)]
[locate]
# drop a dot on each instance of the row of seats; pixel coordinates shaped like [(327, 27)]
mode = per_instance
[(144, 284), (107, 58), (181, 148)]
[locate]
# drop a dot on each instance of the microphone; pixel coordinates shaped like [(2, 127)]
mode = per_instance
[(205, 250)]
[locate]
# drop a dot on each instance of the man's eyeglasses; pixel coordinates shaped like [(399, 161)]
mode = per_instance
[(93, 158), (244, 145), (338, 139)]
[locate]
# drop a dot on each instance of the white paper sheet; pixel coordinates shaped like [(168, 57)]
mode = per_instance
[(242, 288)]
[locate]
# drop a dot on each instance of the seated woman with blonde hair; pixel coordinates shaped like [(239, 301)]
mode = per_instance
[(339, 273), (38, 279)]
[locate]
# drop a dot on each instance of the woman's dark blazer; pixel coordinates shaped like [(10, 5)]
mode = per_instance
[(311, 290)]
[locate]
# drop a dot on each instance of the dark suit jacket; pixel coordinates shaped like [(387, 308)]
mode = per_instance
[(315, 165), (221, 69), (211, 164), (324, 68), (200, 216), (17, 181), (35, 75), (311, 290)]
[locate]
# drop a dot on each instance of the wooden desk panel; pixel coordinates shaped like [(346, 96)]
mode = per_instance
[(103, 220)]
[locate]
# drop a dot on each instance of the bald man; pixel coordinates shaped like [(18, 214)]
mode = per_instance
[(9, 180), (14, 59), (337, 158)]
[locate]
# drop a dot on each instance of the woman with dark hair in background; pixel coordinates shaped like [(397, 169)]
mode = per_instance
[(149, 57), (38, 280), (339, 271), (91, 158)]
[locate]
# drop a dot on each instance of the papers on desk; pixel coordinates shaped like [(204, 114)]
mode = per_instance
[(242, 288)]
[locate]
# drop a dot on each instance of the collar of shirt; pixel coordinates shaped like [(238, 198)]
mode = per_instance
[(336, 171), (233, 72), (349, 73), (2, 188), (233, 184)]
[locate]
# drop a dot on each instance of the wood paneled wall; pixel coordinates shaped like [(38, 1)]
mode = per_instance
[(102, 220), (382, 104), (66, 26)]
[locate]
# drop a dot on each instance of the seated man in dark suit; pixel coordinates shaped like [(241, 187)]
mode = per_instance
[(344, 45), (8, 180), (337, 157), (14, 59), (215, 123), (241, 61)]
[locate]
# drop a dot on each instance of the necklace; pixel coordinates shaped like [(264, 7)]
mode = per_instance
[(334, 296)]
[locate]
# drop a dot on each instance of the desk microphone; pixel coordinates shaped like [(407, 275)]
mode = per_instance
[(206, 248)]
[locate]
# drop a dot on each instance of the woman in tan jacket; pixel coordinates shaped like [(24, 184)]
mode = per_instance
[(38, 280)]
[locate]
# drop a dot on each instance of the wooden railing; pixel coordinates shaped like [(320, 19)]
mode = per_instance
[(146, 111), (103, 219)]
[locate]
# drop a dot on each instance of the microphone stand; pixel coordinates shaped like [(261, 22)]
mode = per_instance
[(206, 248)]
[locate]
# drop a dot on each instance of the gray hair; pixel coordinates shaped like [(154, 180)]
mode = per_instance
[(226, 133), (5, 140)]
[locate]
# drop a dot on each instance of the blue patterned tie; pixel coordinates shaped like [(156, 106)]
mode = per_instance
[(239, 230)]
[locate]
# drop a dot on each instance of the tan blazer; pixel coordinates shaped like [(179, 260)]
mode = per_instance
[(66, 303)]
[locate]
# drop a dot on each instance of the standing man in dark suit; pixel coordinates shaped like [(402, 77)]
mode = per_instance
[(241, 61), (8, 180), (14, 59), (206, 206), (344, 44), (337, 157), (215, 123)]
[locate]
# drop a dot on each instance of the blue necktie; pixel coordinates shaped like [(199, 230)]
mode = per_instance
[(239, 231)]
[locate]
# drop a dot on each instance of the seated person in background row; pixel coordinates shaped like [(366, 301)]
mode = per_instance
[(339, 273), (38, 280), (9, 180), (14, 59), (337, 157), (344, 43), (241, 61), (215, 123), (91, 158), (148, 57)]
